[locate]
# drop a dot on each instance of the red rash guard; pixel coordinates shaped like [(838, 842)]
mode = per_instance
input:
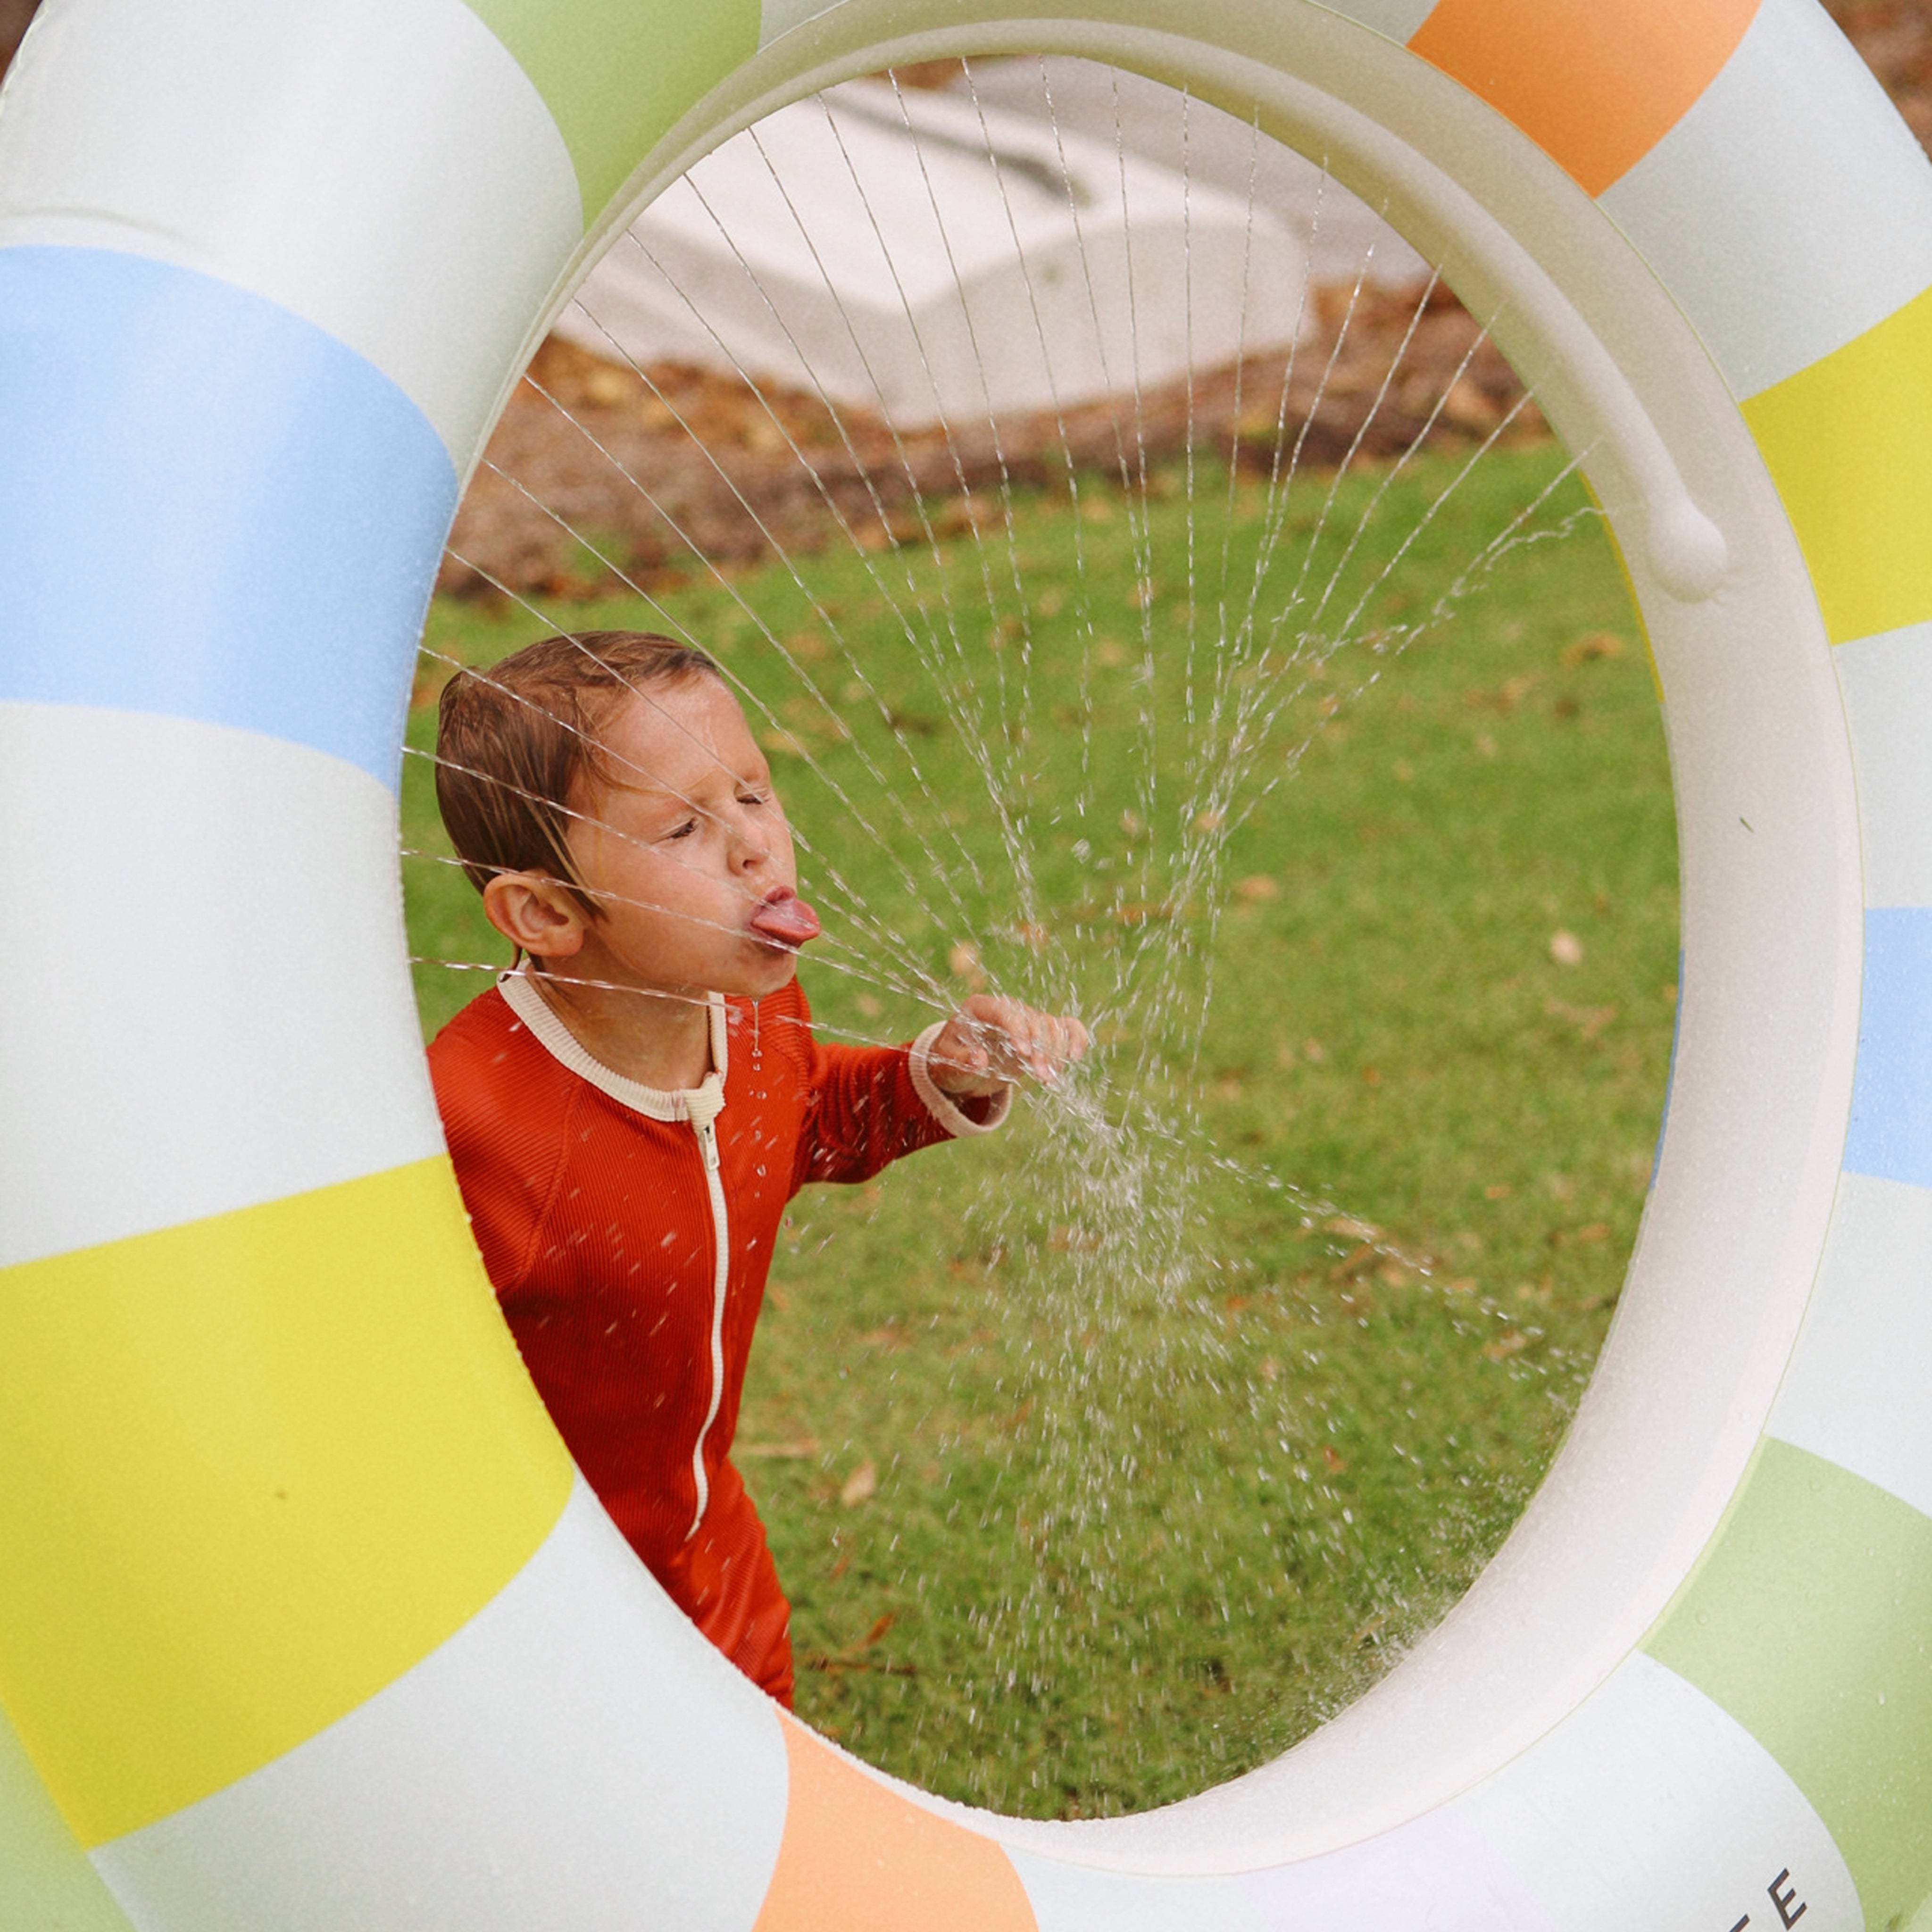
[(601, 1207)]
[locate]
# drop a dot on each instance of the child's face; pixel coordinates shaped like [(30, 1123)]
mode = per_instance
[(685, 849)]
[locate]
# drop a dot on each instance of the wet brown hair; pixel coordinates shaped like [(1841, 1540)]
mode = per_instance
[(514, 741)]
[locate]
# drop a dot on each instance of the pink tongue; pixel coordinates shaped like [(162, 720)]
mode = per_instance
[(790, 921)]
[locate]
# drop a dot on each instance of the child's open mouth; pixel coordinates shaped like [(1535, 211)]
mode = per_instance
[(784, 918)]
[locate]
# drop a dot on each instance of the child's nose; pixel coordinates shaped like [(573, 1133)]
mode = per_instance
[(751, 845)]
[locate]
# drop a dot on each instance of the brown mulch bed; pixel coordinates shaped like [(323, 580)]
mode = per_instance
[(729, 473)]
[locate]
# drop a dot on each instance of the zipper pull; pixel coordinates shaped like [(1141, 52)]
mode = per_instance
[(707, 1143)]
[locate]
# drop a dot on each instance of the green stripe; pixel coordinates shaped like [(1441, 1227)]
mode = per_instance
[(616, 74), (1809, 1620), (46, 1880)]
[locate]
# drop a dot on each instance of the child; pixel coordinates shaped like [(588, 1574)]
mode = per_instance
[(629, 1113)]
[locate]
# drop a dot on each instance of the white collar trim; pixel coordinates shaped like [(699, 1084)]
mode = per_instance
[(655, 1103)]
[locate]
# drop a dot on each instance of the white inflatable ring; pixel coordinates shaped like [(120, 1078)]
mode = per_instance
[(305, 1620)]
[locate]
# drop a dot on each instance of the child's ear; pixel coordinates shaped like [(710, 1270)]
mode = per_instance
[(535, 914)]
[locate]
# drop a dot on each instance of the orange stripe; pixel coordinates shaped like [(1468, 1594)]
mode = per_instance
[(856, 1857), (1596, 84)]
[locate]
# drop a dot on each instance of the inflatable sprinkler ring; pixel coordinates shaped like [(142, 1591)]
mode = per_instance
[(306, 1624)]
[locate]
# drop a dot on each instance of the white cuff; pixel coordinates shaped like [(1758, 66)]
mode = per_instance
[(942, 1106)]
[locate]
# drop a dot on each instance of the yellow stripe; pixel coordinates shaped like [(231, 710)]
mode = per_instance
[(251, 1469), (1849, 443)]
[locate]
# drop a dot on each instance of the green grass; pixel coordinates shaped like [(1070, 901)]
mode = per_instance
[(1103, 1459)]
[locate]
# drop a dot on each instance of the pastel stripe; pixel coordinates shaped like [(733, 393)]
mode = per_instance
[(1886, 682), (1790, 209), (1849, 444), (1855, 1393), (47, 1884), (1596, 87), (618, 74), (257, 1467), (238, 1026), (208, 508), (353, 161), (1890, 1132), (575, 1756), (858, 1856), (1810, 1621)]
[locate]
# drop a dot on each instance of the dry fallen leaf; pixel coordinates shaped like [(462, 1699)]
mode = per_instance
[(1588, 1020), (1355, 1230), (861, 1486), (1565, 948), (1065, 1238), (1597, 644), (1355, 1264), (609, 387)]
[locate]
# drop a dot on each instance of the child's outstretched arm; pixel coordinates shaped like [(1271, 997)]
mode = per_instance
[(991, 1042)]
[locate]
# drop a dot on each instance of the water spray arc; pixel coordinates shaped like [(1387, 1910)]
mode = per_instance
[(299, 1630)]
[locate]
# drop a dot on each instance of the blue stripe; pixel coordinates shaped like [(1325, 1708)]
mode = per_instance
[(1891, 1135), (209, 507)]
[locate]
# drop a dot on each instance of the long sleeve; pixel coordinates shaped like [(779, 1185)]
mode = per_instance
[(872, 1105)]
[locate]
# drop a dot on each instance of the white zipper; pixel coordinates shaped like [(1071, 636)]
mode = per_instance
[(702, 1109), (701, 1105)]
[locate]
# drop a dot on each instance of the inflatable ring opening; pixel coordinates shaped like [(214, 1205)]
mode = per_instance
[(306, 1621)]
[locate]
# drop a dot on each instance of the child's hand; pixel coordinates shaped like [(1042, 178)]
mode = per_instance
[(990, 1043)]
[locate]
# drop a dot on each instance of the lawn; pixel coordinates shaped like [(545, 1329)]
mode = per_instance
[(1104, 1457)]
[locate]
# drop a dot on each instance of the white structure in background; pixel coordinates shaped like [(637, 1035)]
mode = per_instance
[(928, 258), (1344, 238)]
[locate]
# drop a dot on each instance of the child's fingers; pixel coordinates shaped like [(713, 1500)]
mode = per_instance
[(1066, 1039), (960, 1060), (1023, 1040)]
